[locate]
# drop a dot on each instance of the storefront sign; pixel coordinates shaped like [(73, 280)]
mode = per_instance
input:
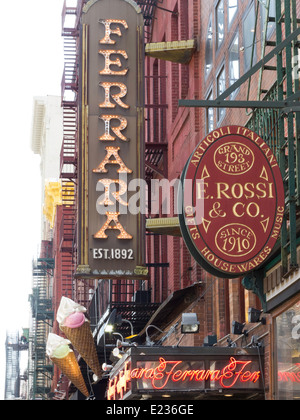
[(179, 374), (111, 147), (233, 202)]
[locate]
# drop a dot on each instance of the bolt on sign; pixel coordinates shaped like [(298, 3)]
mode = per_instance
[(111, 137), (233, 202)]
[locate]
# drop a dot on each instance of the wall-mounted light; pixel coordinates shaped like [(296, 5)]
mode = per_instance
[(254, 316), (118, 353), (116, 320), (131, 326), (149, 342), (121, 344), (106, 367), (189, 323), (230, 342), (111, 322), (238, 328), (210, 341)]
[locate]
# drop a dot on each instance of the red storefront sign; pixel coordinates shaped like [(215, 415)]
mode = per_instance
[(179, 375), (233, 202)]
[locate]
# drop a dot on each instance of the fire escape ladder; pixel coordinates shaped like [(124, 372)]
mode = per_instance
[(67, 272), (156, 147), (68, 158), (67, 241), (69, 90)]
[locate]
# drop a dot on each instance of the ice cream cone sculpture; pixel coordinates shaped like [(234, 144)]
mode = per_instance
[(64, 358), (77, 329)]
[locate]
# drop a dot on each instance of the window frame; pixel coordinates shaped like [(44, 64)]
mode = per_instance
[(218, 42), (249, 10), (209, 96), (210, 25), (221, 112), (236, 36), (230, 22)]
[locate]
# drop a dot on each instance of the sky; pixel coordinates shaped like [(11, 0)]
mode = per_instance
[(31, 65)]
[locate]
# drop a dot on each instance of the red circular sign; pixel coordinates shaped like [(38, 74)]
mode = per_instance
[(233, 201)]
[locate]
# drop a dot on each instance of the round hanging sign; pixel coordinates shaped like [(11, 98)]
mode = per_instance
[(232, 202)]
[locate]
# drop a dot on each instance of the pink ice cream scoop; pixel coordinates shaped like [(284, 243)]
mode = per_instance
[(75, 320)]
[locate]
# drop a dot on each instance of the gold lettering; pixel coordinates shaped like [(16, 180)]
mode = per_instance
[(216, 134), (108, 31), (201, 189), (217, 211), (222, 191), (112, 218), (237, 190), (234, 209), (247, 188), (117, 130), (256, 210), (112, 151), (108, 62), (249, 210), (116, 97), (116, 194)]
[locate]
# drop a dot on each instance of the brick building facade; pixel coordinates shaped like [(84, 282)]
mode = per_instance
[(224, 51)]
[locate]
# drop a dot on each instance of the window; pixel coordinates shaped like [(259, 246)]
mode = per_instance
[(263, 14), (221, 86), (220, 20), (234, 63), (210, 115), (287, 346), (209, 48), (248, 32), (232, 9)]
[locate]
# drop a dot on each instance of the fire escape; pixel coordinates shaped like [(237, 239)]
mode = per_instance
[(13, 346), (69, 152), (156, 147), (40, 371)]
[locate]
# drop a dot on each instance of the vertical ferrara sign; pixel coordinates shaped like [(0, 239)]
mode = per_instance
[(111, 137)]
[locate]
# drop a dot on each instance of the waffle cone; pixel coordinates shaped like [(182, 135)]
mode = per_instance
[(70, 367), (83, 341)]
